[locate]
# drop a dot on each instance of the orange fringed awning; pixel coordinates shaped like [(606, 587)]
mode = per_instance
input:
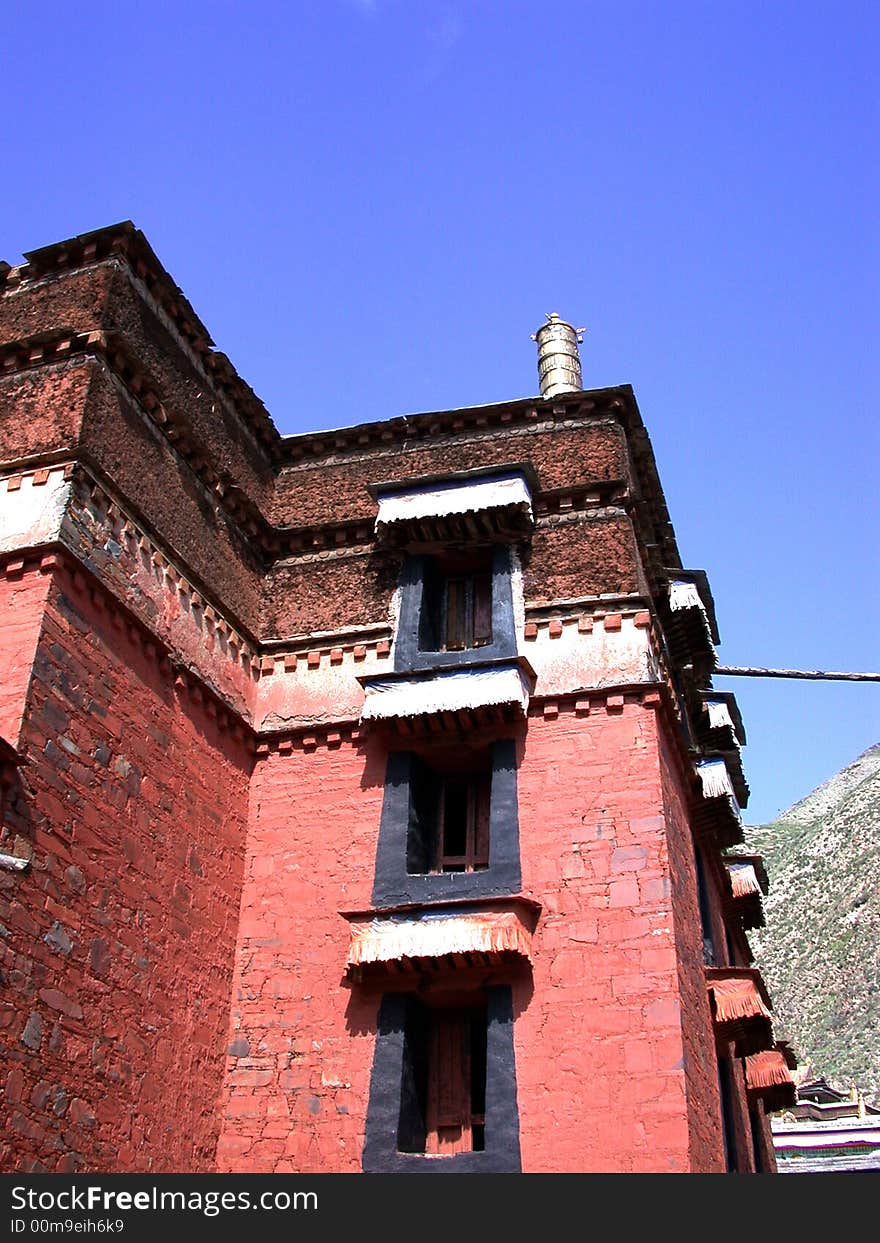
[(743, 880), (769, 1077), (410, 940), (740, 1008), (748, 881), (737, 999)]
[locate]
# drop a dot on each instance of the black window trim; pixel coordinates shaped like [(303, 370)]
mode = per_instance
[(409, 657), (394, 886), (397, 1012)]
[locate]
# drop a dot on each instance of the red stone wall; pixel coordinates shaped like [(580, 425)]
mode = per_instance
[(323, 491), (331, 594), (593, 557), (768, 1152), (598, 1028), (80, 407), (122, 934), (166, 492), (74, 300), (700, 1066), (599, 1043), (22, 601), (41, 411), (187, 388), (300, 1042), (745, 1149), (108, 298)]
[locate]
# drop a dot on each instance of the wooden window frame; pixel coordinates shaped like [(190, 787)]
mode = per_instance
[(393, 1140), (477, 791), (456, 610), (727, 1096), (450, 814), (447, 1071), (404, 862), (466, 611), (704, 903), (420, 639)]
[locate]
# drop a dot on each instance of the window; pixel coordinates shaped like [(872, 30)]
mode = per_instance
[(710, 957), (461, 835), (758, 1149), (449, 817), (456, 608), (457, 603), (443, 1097), (443, 1085), (461, 841), (8, 760), (728, 1125)]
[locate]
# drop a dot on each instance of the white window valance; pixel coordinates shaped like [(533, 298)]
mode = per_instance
[(492, 496), (453, 691)]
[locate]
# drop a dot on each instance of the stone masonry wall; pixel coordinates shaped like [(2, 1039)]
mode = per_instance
[(22, 600), (599, 1043), (165, 491), (598, 1029), (41, 411), (174, 958), (334, 487), (108, 298), (301, 1043), (701, 1054), (700, 1065), (118, 942)]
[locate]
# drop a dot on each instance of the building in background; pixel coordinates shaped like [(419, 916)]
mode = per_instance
[(367, 803), (827, 1132)]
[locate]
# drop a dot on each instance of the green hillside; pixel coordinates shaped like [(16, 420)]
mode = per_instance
[(820, 950)]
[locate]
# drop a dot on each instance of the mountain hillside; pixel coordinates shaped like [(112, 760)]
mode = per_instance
[(820, 950)]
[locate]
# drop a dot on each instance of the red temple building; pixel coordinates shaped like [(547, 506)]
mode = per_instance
[(367, 804)]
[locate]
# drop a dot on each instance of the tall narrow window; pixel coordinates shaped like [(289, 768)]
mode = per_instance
[(457, 603), (467, 611), (761, 1166), (449, 818), (710, 956), (461, 837), (443, 1105), (443, 1084), (728, 1127)]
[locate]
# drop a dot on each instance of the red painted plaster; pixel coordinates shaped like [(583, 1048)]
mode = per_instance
[(119, 957), (300, 1042), (22, 601), (599, 1040)]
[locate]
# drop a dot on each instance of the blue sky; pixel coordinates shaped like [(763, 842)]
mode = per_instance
[(373, 203)]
